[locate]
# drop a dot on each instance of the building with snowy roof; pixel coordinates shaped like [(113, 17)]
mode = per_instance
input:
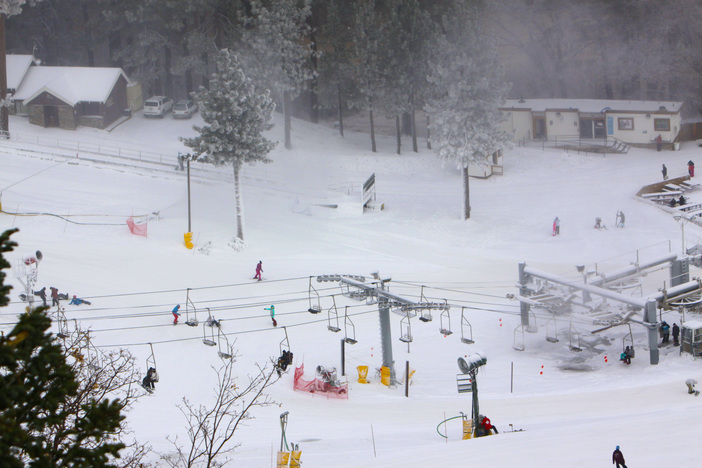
[(17, 67), (68, 97), (636, 123)]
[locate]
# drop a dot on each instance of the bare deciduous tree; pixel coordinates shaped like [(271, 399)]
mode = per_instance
[(211, 428)]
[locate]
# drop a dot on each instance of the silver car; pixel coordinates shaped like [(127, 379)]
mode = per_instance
[(184, 109)]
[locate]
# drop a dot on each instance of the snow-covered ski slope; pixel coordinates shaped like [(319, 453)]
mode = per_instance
[(574, 407)]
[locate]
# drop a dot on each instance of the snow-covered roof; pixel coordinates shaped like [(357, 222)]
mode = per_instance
[(17, 66), (70, 84), (598, 106), (693, 324)]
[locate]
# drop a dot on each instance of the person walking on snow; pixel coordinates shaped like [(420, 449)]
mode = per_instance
[(272, 311), (691, 168), (556, 226), (259, 270), (176, 314), (54, 296), (618, 458), (664, 171), (620, 219), (665, 328), (676, 334)]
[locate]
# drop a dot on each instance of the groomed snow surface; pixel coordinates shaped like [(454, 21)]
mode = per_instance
[(574, 408)]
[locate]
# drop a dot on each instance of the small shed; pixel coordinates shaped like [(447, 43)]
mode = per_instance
[(691, 337), (67, 97)]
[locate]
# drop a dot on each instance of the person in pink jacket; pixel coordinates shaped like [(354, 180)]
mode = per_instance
[(259, 270)]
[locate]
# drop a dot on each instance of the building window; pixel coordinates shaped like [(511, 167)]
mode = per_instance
[(625, 123), (661, 125), (90, 108)]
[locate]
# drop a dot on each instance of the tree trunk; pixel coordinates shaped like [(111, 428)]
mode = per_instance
[(372, 131), (4, 119), (413, 122), (398, 131), (314, 99), (428, 134), (341, 113), (237, 202), (286, 118), (466, 193)]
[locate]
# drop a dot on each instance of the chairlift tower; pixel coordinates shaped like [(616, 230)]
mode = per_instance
[(356, 288)]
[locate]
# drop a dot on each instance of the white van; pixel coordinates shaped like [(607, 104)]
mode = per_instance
[(157, 106)]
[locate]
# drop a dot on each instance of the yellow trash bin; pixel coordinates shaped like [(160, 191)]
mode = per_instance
[(295, 458), (188, 237), (362, 374), (385, 375), (283, 459), (467, 429)]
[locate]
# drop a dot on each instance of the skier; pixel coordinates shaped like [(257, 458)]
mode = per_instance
[(676, 334), (149, 379), (665, 172), (272, 310), (620, 219), (176, 314), (691, 387), (78, 301), (626, 356), (665, 328), (691, 168), (618, 458), (598, 223), (54, 296), (259, 270), (42, 294), (556, 226)]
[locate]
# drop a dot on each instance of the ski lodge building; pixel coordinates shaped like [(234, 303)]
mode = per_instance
[(609, 123)]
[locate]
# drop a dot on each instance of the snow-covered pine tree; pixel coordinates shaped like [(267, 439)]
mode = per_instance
[(277, 50), (466, 93), (236, 116)]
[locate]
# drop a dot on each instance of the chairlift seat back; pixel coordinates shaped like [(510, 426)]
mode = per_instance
[(209, 342), (192, 323)]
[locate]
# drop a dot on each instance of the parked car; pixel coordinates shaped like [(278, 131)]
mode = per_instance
[(157, 106), (184, 109)]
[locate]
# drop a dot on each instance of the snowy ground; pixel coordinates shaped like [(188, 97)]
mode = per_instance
[(570, 417)]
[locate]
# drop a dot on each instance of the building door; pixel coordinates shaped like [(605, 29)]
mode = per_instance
[(51, 116), (539, 128), (600, 128), (586, 128)]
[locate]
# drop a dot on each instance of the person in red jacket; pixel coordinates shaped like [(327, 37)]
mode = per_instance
[(259, 270), (618, 458), (691, 168)]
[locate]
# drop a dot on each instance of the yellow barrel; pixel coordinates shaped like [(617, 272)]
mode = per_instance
[(362, 374), (467, 429), (188, 237), (295, 458), (385, 375), (283, 458)]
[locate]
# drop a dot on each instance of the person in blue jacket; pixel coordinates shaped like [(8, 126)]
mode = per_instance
[(78, 301), (176, 314)]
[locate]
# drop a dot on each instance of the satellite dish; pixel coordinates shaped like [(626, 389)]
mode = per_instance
[(463, 365)]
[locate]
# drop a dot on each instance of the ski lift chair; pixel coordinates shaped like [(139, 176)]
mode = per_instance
[(333, 312), (315, 306), (222, 337), (208, 340), (191, 322), (349, 338), (518, 343), (552, 330), (405, 329), (574, 345), (466, 329), (628, 340), (445, 323)]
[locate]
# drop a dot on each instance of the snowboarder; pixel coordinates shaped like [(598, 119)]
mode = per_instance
[(618, 458), (676, 334), (556, 226), (659, 142), (148, 382), (42, 294), (665, 329), (691, 168), (78, 301), (626, 356), (620, 219), (691, 387), (259, 270), (664, 171), (176, 314), (272, 311), (598, 223), (682, 200)]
